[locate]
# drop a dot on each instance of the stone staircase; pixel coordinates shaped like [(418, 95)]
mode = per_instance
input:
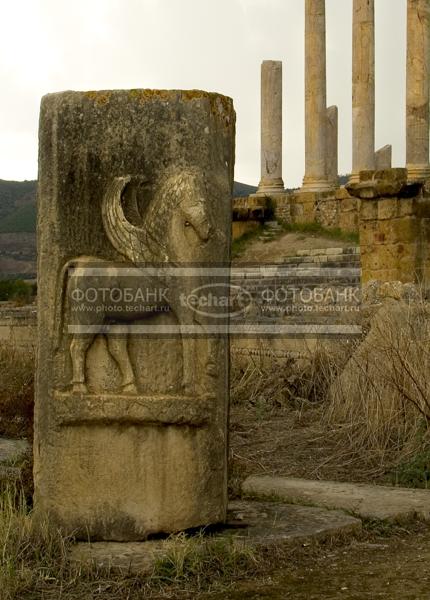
[(309, 288), (271, 230)]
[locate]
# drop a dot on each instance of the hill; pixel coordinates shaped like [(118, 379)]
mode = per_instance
[(15, 195), (243, 189), (21, 220)]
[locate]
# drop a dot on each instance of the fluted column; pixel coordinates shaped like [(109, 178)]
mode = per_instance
[(315, 179), (271, 128), (332, 146), (363, 87), (417, 90)]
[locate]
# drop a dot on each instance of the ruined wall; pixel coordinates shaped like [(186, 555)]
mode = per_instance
[(335, 209), (18, 327), (394, 219)]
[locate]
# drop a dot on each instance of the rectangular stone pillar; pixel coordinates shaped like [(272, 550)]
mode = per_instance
[(363, 87), (332, 146), (315, 179), (383, 158), (417, 90), (131, 393), (271, 128)]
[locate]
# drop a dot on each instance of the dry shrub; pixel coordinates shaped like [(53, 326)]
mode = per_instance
[(380, 404), (269, 382), (30, 552), (16, 391)]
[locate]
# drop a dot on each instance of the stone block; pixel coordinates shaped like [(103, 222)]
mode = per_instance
[(368, 210), (387, 208), (131, 426)]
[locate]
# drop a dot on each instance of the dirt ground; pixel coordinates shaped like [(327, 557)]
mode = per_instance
[(394, 567), (286, 245)]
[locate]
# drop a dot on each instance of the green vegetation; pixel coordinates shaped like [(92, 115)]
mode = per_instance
[(318, 229), (16, 290), (22, 220), (203, 558), (415, 472)]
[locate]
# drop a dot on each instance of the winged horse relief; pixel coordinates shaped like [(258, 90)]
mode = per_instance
[(176, 228)]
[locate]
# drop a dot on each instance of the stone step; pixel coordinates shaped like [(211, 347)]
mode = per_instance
[(254, 525), (366, 501)]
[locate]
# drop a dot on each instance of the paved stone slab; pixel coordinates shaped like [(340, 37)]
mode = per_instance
[(367, 501), (258, 524)]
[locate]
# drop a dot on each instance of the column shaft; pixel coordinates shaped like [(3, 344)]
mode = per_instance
[(332, 146), (363, 87), (315, 178), (417, 90), (271, 128)]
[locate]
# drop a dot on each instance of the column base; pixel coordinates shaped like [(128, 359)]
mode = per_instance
[(312, 184), (418, 172), (270, 187)]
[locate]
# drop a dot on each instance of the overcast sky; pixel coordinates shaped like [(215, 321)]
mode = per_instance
[(215, 45)]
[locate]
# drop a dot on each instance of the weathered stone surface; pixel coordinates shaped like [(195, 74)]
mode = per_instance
[(393, 222), (383, 158), (367, 501), (315, 178), (332, 146), (363, 87), (271, 128), (253, 524), (130, 431), (417, 90), (383, 184)]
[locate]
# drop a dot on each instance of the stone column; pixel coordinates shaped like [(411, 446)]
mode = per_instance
[(271, 128), (332, 146), (383, 158), (417, 90), (315, 179), (363, 88)]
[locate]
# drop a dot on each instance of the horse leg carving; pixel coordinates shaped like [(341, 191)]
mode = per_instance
[(119, 352), (78, 354)]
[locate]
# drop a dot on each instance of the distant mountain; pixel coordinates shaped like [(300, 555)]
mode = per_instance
[(18, 226), (18, 204), (20, 220), (243, 189), (16, 194)]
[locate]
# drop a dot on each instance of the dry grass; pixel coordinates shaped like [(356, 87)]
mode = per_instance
[(34, 563), (16, 392), (379, 408)]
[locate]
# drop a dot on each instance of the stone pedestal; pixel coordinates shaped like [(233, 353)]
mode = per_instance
[(332, 146), (315, 179), (394, 224), (271, 128), (417, 90), (363, 87), (383, 158), (131, 393)]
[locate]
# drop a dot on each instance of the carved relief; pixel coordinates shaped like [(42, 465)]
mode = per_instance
[(176, 230)]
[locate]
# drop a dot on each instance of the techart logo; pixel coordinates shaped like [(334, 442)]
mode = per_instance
[(218, 300)]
